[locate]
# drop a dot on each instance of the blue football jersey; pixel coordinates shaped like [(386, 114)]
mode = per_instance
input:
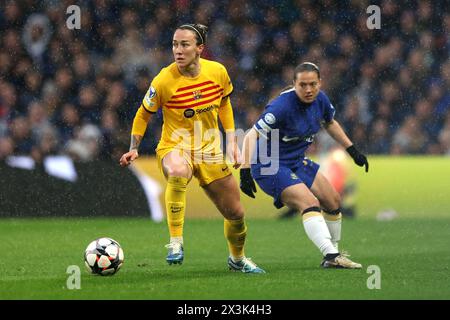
[(294, 123)]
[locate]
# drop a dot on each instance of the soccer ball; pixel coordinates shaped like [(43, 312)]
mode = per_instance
[(103, 256)]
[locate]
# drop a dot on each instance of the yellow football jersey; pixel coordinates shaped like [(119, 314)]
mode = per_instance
[(190, 107)]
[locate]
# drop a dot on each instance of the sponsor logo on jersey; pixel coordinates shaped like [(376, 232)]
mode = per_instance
[(309, 138), (189, 113), (209, 108)]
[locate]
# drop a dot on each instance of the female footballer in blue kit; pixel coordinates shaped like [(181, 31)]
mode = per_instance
[(298, 114)]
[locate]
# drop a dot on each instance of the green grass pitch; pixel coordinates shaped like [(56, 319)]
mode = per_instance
[(412, 254)]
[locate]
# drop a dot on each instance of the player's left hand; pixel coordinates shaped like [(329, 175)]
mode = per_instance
[(234, 154), (247, 183), (128, 158), (358, 157)]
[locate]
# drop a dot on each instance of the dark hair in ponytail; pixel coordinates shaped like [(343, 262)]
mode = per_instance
[(200, 31)]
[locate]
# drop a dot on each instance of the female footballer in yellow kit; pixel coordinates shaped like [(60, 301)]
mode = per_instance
[(193, 94)]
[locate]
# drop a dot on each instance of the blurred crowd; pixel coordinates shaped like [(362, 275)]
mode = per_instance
[(75, 92)]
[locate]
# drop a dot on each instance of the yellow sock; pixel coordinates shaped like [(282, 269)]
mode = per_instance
[(175, 204), (235, 233)]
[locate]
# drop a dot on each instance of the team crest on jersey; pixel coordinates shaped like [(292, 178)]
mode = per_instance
[(197, 94), (269, 118)]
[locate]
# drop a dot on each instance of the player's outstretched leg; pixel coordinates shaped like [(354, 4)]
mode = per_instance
[(318, 232), (235, 233), (333, 221), (224, 192), (330, 231)]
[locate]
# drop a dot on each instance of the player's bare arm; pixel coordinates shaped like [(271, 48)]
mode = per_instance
[(233, 151), (227, 120), (140, 123), (135, 142), (335, 130), (133, 154)]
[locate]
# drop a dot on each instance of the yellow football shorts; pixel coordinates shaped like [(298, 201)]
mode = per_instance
[(204, 172)]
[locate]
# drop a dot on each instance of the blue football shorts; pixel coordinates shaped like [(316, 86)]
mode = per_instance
[(274, 184)]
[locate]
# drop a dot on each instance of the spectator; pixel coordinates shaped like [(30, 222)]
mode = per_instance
[(67, 121), (21, 134), (37, 118), (410, 138), (32, 87), (36, 36), (444, 136), (88, 103), (6, 147), (377, 79), (46, 144), (109, 126), (379, 140), (85, 146)]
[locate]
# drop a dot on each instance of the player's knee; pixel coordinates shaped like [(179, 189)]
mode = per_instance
[(332, 201), (233, 212), (302, 205), (178, 171), (237, 213), (336, 201)]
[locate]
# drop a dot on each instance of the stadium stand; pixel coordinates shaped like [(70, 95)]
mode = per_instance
[(75, 92)]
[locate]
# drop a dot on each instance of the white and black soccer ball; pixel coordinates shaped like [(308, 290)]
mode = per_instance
[(103, 256)]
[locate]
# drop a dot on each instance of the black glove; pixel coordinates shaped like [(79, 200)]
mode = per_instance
[(247, 183), (358, 157)]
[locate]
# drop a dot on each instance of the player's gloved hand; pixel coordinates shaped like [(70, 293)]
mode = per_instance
[(247, 183), (358, 157)]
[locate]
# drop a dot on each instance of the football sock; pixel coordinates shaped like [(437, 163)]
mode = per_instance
[(317, 231), (333, 220), (175, 205), (331, 256), (176, 239), (235, 232)]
